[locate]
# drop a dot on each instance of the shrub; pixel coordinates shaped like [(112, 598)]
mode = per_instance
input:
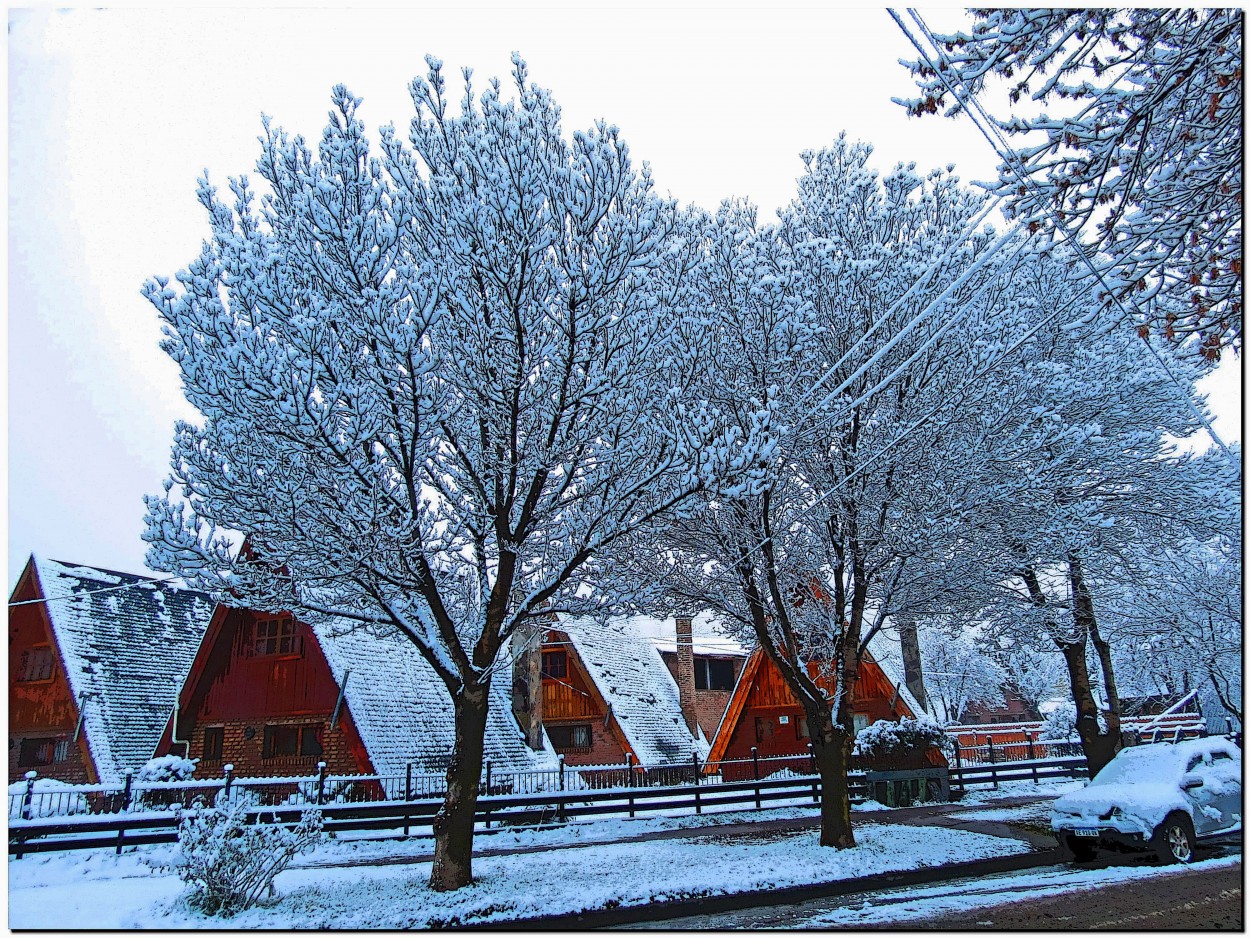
[(228, 863), (166, 769), (906, 737)]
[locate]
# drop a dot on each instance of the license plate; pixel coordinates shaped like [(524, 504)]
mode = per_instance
[(1085, 831)]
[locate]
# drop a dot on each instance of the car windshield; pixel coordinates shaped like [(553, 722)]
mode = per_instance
[(1155, 763)]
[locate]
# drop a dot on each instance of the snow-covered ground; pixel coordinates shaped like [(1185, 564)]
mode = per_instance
[(99, 891), (903, 905)]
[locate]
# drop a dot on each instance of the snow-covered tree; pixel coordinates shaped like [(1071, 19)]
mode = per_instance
[(1076, 483), (853, 323), (1144, 159), (959, 671), (436, 383)]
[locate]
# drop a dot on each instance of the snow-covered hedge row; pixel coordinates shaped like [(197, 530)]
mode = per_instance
[(907, 736)]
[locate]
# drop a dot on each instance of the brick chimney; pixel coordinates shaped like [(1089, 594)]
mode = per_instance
[(527, 682), (913, 672), (685, 672)]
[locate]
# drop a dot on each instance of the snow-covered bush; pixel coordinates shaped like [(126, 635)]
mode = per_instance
[(166, 769), (227, 862), (906, 737), (1059, 725)]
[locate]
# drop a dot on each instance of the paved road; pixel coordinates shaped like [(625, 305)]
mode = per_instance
[(1187, 899), (1127, 895)]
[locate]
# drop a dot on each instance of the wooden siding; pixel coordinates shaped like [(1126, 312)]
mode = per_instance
[(239, 692), (41, 709), (754, 717)]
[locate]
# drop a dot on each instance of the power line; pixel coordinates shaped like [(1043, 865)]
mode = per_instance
[(1010, 160)]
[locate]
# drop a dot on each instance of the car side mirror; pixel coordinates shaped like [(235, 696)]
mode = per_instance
[(1190, 781)]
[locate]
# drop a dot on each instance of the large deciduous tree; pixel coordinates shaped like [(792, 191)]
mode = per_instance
[(1143, 162), (1075, 484), (853, 322), (435, 383)]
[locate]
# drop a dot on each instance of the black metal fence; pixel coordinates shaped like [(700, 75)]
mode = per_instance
[(408, 816)]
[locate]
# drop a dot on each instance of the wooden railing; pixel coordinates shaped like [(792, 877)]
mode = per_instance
[(565, 702)]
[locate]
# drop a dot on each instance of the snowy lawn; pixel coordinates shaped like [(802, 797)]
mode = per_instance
[(97, 890), (963, 895)]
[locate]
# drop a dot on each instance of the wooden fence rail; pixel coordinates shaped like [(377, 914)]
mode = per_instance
[(404, 817)]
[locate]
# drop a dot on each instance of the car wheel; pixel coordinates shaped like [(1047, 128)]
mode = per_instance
[(1173, 840), (1082, 852)]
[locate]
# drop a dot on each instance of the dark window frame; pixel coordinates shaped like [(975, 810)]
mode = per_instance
[(550, 666), (291, 740), (565, 737), (213, 744), (41, 750), (275, 637), (36, 665), (713, 673)]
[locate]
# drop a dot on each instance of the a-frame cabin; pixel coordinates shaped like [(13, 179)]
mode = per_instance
[(763, 714)]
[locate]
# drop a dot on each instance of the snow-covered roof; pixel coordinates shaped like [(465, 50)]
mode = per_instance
[(127, 643), (708, 635), (402, 709), (630, 674)]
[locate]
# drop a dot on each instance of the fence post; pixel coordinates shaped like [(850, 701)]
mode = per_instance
[(30, 793), (126, 796), (561, 816), (811, 755), (959, 769), (408, 799), (321, 783), (698, 803), (755, 760), (1029, 737), (629, 779), (989, 742), (487, 818), (227, 769)]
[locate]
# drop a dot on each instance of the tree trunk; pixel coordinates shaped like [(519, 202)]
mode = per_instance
[(831, 748), (453, 825), (1097, 746), (1087, 622)]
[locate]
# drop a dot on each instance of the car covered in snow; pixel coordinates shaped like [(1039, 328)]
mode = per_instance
[(1162, 797)]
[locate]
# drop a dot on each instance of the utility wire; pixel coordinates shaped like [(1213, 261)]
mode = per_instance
[(1010, 160)]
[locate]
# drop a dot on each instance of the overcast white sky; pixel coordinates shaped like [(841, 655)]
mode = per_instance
[(114, 113)]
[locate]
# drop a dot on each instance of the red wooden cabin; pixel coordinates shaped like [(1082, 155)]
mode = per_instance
[(607, 696), (274, 696), (95, 660), (764, 715)]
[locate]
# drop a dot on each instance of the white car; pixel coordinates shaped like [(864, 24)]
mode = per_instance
[(1162, 797)]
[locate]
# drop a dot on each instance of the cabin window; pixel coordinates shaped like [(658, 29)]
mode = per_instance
[(713, 674), (861, 721), (36, 664), (42, 751), (214, 739), (290, 741), (565, 738), (271, 637), (556, 663)]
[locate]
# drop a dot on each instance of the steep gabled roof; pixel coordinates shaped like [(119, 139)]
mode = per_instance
[(905, 702), (402, 709), (126, 643), (629, 673)]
